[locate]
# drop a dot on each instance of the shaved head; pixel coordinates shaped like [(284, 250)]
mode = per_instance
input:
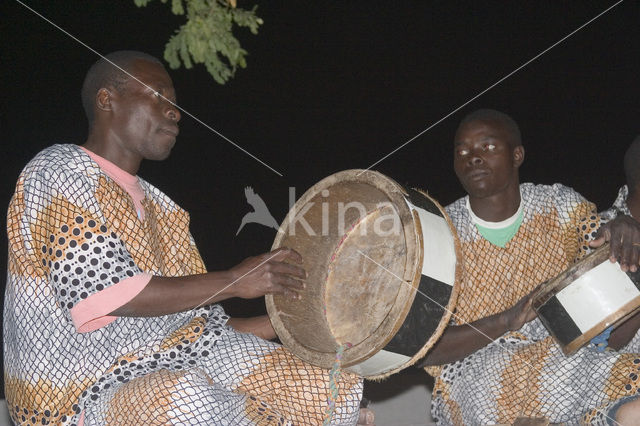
[(495, 117), (103, 74)]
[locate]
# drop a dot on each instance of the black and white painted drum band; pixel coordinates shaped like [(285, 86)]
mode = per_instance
[(581, 303), (438, 275)]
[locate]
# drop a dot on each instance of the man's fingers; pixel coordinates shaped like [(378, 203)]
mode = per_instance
[(597, 242), (288, 269), (270, 273), (635, 256), (291, 283), (291, 294), (615, 247), (281, 283), (630, 255), (624, 236), (284, 253), (626, 257), (635, 261)]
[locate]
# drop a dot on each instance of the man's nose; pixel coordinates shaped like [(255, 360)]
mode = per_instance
[(173, 113), (475, 159)]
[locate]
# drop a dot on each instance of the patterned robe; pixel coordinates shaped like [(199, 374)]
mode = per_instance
[(525, 373), (73, 233), (619, 206)]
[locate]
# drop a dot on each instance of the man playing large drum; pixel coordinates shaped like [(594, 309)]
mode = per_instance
[(110, 316), (500, 363)]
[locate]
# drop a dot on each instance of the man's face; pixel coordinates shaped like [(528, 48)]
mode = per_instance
[(485, 161), (143, 122)]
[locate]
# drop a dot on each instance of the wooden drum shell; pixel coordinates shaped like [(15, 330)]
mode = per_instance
[(361, 287)]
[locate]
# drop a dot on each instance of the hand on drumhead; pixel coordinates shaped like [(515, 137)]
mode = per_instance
[(623, 235), (520, 313), (269, 273)]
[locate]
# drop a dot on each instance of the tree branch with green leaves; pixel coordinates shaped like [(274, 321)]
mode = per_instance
[(207, 36)]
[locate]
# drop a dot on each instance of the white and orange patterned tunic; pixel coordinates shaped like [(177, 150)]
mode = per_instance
[(525, 373), (76, 248)]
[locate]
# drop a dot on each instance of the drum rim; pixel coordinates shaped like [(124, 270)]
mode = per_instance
[(388, 328), (611, 320)]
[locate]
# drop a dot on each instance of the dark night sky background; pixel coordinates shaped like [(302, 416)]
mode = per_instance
[(334, 85)]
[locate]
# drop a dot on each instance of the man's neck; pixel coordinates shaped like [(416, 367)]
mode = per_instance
[(496, 208), (112, 151)]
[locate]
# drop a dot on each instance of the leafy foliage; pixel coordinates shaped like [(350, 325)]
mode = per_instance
[(207, 38)]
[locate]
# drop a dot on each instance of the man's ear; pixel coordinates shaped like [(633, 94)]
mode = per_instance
[(103, 99), (518, 155)]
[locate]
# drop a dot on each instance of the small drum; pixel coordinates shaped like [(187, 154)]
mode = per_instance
[(382, 274), (586, 299)]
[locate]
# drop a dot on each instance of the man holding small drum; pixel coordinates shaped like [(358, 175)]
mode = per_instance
[(500, 363)]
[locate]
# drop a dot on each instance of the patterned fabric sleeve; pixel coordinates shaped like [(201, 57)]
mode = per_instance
[(619, 206), (92, 313), (587, 228), (80, 255), (581, 221)]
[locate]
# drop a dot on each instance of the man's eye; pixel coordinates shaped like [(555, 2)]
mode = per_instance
[(463, 151), (490, 147)]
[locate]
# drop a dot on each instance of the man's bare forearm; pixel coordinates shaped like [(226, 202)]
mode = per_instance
[(460, 341), (168, 295), (267, 273), (260, 326)]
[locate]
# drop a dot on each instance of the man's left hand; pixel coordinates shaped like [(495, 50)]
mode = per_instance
[(623, 235)]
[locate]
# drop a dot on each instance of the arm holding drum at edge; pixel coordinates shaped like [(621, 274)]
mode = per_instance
[(623, 236), (253, 277), (260, 326), (460, 341), (457, 342)]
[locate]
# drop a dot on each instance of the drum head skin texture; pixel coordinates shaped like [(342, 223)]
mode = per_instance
[(382, 274)]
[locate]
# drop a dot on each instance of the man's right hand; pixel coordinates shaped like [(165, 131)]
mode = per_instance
[(459, 341), (520, 313), (268, 273)]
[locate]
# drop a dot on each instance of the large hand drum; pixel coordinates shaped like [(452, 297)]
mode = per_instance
[(586, 299), (382, 269)]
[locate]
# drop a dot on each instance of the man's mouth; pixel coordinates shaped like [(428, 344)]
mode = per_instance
[(477, 174), (171, 131)]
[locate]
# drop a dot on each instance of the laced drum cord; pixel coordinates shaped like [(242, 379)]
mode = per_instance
[(334, 375)]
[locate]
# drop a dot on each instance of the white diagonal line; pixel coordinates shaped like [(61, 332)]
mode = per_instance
[(493, 85), (491, 341), (145, 85)]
